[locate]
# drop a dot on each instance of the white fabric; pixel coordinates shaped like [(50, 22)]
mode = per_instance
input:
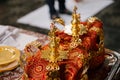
[(2, 31), (19, 41), (87, 8), (24, 39)]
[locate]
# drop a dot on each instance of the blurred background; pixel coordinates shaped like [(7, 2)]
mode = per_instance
[(12, 10)]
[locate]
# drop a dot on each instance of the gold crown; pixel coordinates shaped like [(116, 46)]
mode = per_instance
[(85, 44)]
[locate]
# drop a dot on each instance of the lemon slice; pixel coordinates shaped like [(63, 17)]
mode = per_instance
[(8, 54)]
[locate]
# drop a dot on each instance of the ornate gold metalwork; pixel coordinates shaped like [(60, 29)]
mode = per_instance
[(53, 54), (75, 22), (92, 19), (59, 20), (77, 29), (100, 34)]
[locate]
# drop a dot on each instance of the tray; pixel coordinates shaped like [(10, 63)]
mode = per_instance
[(109, 69), (114, 74)]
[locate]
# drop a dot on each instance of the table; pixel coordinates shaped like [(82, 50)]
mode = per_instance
[(23, 37), (18, 39)]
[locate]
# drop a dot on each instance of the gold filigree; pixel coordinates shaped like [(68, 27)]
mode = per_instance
[(83, 29), (77, 29), (60, 21), (58, 57), (94, 28), (92, 19), (52, 53), (75, 22)]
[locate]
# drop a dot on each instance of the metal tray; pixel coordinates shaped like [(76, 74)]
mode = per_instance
[(114, 73), (109, 70)]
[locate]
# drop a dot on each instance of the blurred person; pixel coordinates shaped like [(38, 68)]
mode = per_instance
[(77, 0), (62, 8)]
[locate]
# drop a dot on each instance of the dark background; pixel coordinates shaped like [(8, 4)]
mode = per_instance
[(11, 10)]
